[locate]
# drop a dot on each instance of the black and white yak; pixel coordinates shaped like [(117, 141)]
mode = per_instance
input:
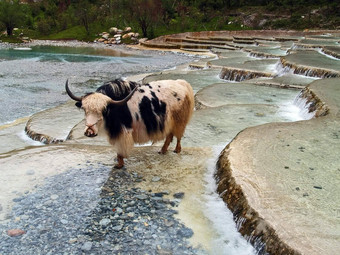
[(132, 113)]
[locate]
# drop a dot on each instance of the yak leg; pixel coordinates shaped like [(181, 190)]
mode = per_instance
[(178, 146), (167, 142), (120, 162)]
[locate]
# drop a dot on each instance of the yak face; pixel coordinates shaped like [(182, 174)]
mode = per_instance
[(93, 106)]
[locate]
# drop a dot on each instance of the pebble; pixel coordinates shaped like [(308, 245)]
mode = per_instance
[(54, 197), (87, 246), (179, 195), (30, 172), (15, 232), (63, 221), (104, 222), (156, 179), (141, 197)]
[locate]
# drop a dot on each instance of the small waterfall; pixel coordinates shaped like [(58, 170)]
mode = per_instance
[(281, 70), (240, 75), (305, 109), (308, 71)]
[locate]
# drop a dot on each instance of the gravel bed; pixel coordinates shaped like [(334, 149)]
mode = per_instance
[(95, 210)]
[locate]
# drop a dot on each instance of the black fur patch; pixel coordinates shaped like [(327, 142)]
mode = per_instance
[(153, 113), (137, 116), (117, 89), (141, 90), (116, 117)]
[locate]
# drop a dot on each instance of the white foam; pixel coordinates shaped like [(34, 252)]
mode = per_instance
[(22, 48), (295, 110), (23, 136), (229, 241), (326, 55)]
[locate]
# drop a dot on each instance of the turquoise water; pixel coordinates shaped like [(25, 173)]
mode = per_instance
[(61, 54)]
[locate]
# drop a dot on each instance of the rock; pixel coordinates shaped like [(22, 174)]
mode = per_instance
[(155, 179), (105, 222), (30, 172), (117, 228), (127, 29), (179, 195), (72, 240), (142, 197), (105, 36), (185, 232), (54, 197), (15, 232), (63, 221), (101, 40), (113, 30), (87, 246), (126, 36), (142, 40)]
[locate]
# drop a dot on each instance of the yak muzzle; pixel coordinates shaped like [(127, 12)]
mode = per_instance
[(89, 132)]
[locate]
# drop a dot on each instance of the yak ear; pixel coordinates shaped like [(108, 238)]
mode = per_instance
[(78, 104)]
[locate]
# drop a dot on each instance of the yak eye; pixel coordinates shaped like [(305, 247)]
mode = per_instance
[(79, 104)]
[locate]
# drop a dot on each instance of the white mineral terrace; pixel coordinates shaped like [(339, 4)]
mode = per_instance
[(274, 135)]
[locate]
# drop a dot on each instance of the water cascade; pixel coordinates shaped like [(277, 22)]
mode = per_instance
[(232, 74), (308, 71)]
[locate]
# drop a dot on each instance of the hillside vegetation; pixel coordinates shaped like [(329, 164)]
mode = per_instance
[(85, 19)]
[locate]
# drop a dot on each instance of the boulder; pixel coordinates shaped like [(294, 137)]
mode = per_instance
[(113, 30), (127, 29), (126, 36), (105, 36)]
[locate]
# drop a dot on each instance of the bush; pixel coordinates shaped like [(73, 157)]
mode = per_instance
[(44, 27)]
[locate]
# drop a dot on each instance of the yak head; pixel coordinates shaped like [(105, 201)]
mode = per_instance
[(93, 105)]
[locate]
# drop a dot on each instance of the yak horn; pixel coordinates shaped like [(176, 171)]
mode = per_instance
[(123, 101), (71, 94)]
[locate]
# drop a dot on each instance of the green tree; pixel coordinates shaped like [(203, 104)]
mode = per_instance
[(11, 14), (86, 13), (147, 13)]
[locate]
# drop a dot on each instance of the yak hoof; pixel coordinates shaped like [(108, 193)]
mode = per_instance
[(118, 166)]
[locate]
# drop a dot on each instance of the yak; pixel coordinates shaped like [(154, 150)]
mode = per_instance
[(132, 112)]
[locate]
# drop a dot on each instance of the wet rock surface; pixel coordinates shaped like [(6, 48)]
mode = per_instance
[(292, 187)]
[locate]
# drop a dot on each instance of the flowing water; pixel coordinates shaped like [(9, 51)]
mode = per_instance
[(33, 78)]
